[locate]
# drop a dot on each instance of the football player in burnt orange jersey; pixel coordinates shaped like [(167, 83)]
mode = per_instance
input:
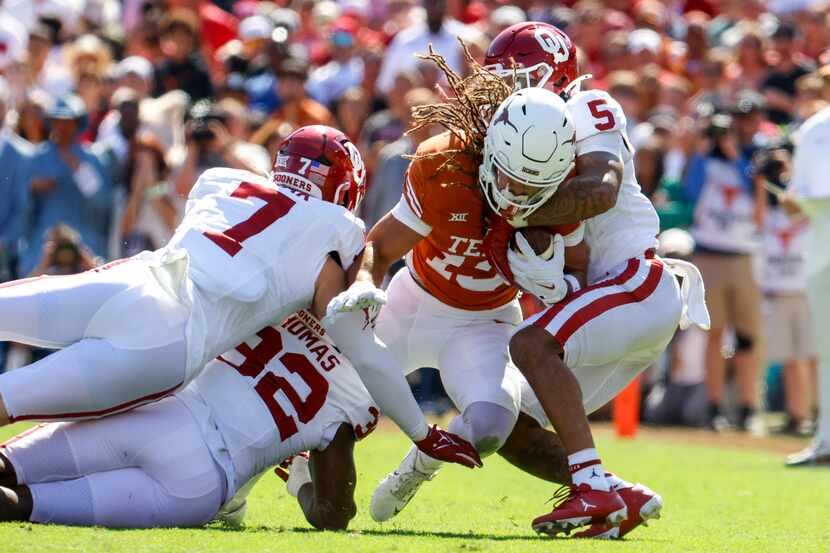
[(449, 308)]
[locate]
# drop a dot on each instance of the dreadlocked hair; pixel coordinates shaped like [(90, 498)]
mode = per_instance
[(465, 112)]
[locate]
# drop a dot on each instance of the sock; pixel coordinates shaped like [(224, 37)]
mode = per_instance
[(744, 414), (586, 468), (713, 410), (424, 463), (616, 482), (428, 465)]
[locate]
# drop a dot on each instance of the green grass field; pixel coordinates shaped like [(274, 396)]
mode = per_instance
[(717, 499)]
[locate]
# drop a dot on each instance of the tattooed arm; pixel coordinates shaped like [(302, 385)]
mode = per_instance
[(592, 191)]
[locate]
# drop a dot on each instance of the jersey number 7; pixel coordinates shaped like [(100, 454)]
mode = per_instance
[(256, 361), (276, 205)]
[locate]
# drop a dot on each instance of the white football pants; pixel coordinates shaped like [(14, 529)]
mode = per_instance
[(818, 292), (123, 335), (146, 468)]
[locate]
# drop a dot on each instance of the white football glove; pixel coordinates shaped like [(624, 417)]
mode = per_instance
[(544, 277), (295, 472), (360, 296)]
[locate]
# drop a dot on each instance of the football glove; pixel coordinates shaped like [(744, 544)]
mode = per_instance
[(360, 296), (544, 278)]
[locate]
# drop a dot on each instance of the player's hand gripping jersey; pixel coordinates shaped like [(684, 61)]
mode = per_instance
[(254, 252), (286, 390), (629, 228), (446, 207)]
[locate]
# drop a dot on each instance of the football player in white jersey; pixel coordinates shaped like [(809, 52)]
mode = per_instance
[(591, 341), (193, 456), (251, 250), (582, 350)]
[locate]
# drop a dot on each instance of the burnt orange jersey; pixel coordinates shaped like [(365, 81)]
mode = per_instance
[(448, 209)]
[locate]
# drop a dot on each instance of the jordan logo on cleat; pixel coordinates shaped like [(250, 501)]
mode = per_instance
[(594, 473), (586, 505)]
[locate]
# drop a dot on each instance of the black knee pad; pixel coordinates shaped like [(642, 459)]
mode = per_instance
[(743, 343)]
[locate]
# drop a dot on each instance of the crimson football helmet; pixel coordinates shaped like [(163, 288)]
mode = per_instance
[(540, 55), (322, 162)]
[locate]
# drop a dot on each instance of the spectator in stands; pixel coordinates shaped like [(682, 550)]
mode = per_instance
[(328, 83), (438, 30), (779, 86), (749, 69), (297, 108), (182, 66), (150, 215), (725, 230), (788, 335), (387, 180), (15, 159), (31, 117), (137, 73), (237, 121), (209, 144), (44, 67), (68, 185), (352, 110), (387, 125)]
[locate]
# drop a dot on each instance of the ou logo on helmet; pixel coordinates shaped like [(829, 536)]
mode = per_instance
[(357, 162), (553, 44)]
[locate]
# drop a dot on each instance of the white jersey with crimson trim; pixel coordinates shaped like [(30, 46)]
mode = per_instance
[(285, 390), (631, 226), (254, 251)]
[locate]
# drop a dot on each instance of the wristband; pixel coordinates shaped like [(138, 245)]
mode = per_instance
[(298, 475), (572, 280)]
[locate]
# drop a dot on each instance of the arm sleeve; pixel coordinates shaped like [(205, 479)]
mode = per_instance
[(575, 237), (380, 373), (609, 142)]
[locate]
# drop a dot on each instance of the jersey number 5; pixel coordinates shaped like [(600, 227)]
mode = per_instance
[(276, 205), (258, 357), (603, 114)]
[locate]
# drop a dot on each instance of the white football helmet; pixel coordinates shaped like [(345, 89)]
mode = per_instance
[(531, 140)]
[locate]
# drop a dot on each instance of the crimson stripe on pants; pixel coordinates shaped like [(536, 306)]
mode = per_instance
[(109, 411), (629, 272), (607, 303)]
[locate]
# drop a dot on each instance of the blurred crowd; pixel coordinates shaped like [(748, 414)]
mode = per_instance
[(111, 109)]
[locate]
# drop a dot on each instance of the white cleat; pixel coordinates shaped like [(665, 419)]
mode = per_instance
[(398, 488), (816, 454)]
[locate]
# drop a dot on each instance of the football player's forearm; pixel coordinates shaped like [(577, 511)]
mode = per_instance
[(577, 199), (590, 192), (380, 372), (366, 271)]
